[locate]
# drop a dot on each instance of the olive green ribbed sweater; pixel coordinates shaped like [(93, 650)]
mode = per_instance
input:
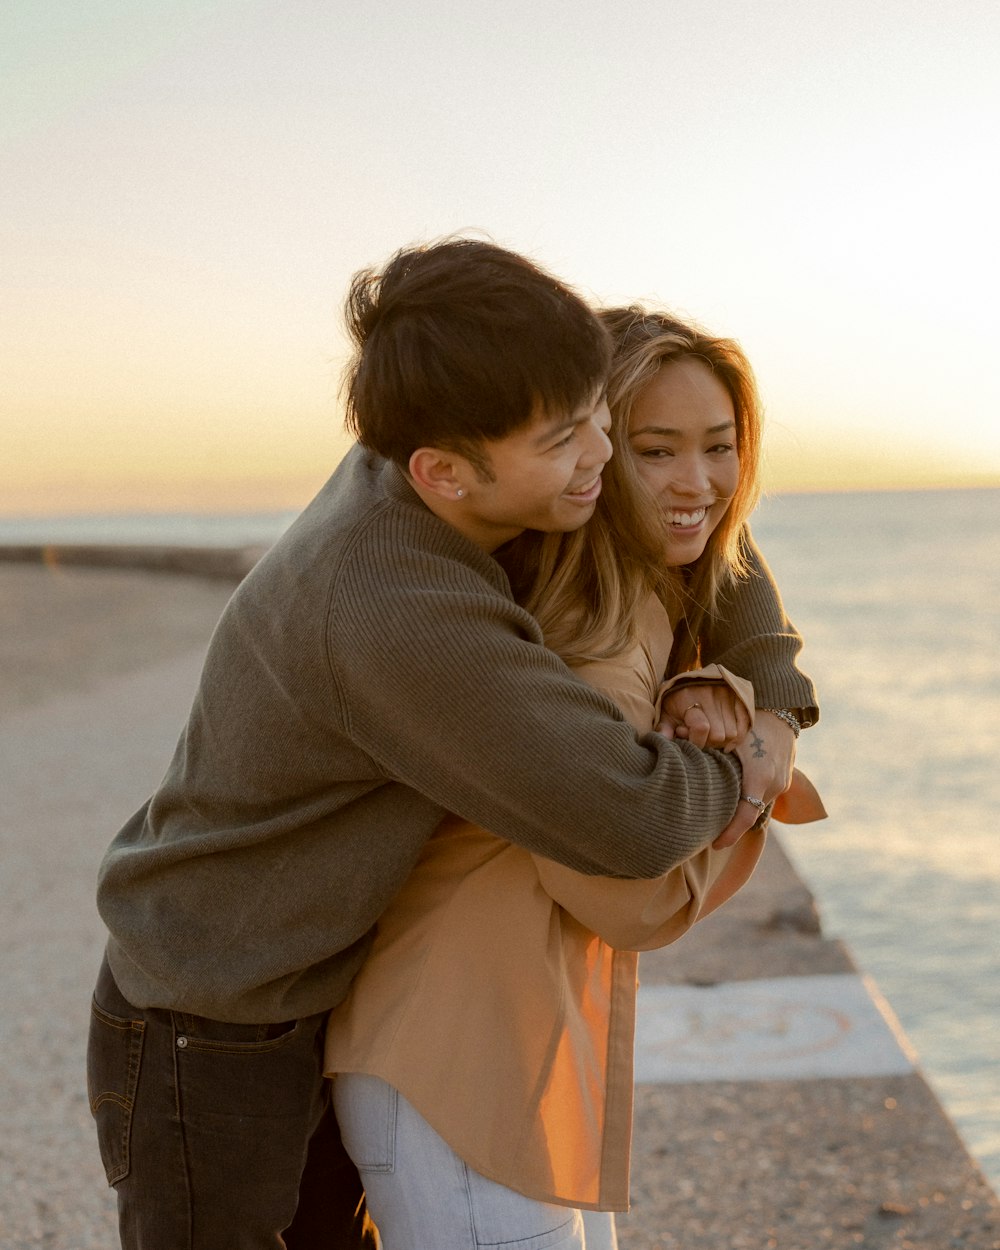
[(371, 673)]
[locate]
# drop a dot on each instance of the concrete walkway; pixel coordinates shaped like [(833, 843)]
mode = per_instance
[(779, 1106), (96, 674)]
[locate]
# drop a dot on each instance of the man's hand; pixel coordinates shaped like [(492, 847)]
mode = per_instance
[(706, 715), (767, 755)]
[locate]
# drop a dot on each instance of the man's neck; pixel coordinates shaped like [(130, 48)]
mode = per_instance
[(459, 514)]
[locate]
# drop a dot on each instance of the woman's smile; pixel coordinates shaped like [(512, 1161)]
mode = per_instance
[(686, 518), (682, 434)]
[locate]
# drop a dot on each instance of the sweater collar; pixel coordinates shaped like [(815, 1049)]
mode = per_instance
[(397, 488)]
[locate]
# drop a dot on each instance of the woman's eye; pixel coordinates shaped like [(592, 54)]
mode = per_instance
[(720, 449), (655, 453)]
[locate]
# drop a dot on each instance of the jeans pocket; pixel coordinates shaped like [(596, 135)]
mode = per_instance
[(231, 1078), (114, 1055), (213, 1037), (366, 1108)]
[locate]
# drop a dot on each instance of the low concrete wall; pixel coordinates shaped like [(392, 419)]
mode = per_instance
[(229, 563)]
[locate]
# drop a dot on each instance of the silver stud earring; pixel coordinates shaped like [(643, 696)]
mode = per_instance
[(459, 493)]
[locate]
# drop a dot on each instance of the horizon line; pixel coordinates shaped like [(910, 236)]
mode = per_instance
[(992, 483)]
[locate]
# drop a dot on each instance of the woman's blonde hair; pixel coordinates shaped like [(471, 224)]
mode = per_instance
[(585, 588)]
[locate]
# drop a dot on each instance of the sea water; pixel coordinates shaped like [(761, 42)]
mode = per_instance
[(898, 598)]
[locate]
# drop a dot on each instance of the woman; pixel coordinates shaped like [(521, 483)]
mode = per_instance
[(483, 1057)]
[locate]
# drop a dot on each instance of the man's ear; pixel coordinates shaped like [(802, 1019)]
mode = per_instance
[(442, 473)]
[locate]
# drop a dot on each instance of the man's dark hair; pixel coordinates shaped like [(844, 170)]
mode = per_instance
[(462, 341)]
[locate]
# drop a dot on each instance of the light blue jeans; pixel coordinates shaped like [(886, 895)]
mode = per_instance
[(423, 1197)]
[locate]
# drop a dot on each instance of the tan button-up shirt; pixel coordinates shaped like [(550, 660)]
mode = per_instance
[(499, 994)]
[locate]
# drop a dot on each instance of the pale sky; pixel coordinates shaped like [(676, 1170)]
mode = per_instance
[(188, 186)]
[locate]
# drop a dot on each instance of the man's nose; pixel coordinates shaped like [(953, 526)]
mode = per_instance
[(598, 449)]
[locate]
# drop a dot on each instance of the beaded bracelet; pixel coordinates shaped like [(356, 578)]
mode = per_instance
[(789, 718)]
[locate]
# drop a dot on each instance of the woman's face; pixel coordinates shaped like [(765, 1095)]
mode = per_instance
[(682, 433)]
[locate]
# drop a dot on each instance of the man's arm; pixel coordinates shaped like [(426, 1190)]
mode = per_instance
[(641, 915), (752, 636), (481, 719)]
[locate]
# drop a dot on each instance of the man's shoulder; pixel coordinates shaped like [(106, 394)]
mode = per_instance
[(360, 500), (367, 532), (360, 489)]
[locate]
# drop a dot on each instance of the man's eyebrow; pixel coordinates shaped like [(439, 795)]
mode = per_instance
[(667, 430), (557, 426)]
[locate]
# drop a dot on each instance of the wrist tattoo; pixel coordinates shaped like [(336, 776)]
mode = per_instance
[(758, 745)]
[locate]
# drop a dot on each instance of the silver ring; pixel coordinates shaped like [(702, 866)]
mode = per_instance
[(760, 805), (690, 706)]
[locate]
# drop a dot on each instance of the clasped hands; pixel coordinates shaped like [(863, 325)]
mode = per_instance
[(711, 715)]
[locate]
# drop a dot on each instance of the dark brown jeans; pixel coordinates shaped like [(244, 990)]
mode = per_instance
[(219, 1136)]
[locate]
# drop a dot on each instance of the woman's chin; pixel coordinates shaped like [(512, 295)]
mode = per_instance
[(684, 548)]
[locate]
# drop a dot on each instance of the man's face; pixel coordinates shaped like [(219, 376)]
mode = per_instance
[(546, 476)]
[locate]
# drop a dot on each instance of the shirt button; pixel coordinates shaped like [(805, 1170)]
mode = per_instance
[(181, 1043)]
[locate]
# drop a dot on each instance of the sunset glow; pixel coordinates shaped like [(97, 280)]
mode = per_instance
[(194, 185)]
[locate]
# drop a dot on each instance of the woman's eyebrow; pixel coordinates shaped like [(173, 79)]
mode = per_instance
[(665, 429)]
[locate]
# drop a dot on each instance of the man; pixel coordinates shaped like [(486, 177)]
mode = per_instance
[(370, 674)]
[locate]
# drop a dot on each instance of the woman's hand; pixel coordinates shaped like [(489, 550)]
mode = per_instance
[(712, 715), (767, 755), (706, 715)]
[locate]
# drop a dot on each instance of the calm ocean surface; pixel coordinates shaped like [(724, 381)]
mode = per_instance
[(898, 597)]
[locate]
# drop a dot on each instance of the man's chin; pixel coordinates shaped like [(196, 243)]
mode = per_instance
[(580, 516)]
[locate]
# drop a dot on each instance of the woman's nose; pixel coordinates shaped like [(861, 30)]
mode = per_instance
[(691, 475)]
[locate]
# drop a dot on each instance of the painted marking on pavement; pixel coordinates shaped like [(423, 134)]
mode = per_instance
[(785, 1028)]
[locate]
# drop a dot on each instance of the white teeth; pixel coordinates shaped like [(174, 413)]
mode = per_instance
[(685, 519)]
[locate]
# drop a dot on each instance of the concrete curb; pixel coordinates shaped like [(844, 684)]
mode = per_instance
[(228, 563), (779, 1105)]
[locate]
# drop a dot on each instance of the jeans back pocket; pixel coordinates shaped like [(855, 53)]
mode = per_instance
[(114, 1055), (366, 1108)]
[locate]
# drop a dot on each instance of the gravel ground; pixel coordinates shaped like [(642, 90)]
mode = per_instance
[(97, 669)]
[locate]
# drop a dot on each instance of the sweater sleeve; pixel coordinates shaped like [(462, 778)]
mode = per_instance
[(445, 683), (752, 636), (641, 915)]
